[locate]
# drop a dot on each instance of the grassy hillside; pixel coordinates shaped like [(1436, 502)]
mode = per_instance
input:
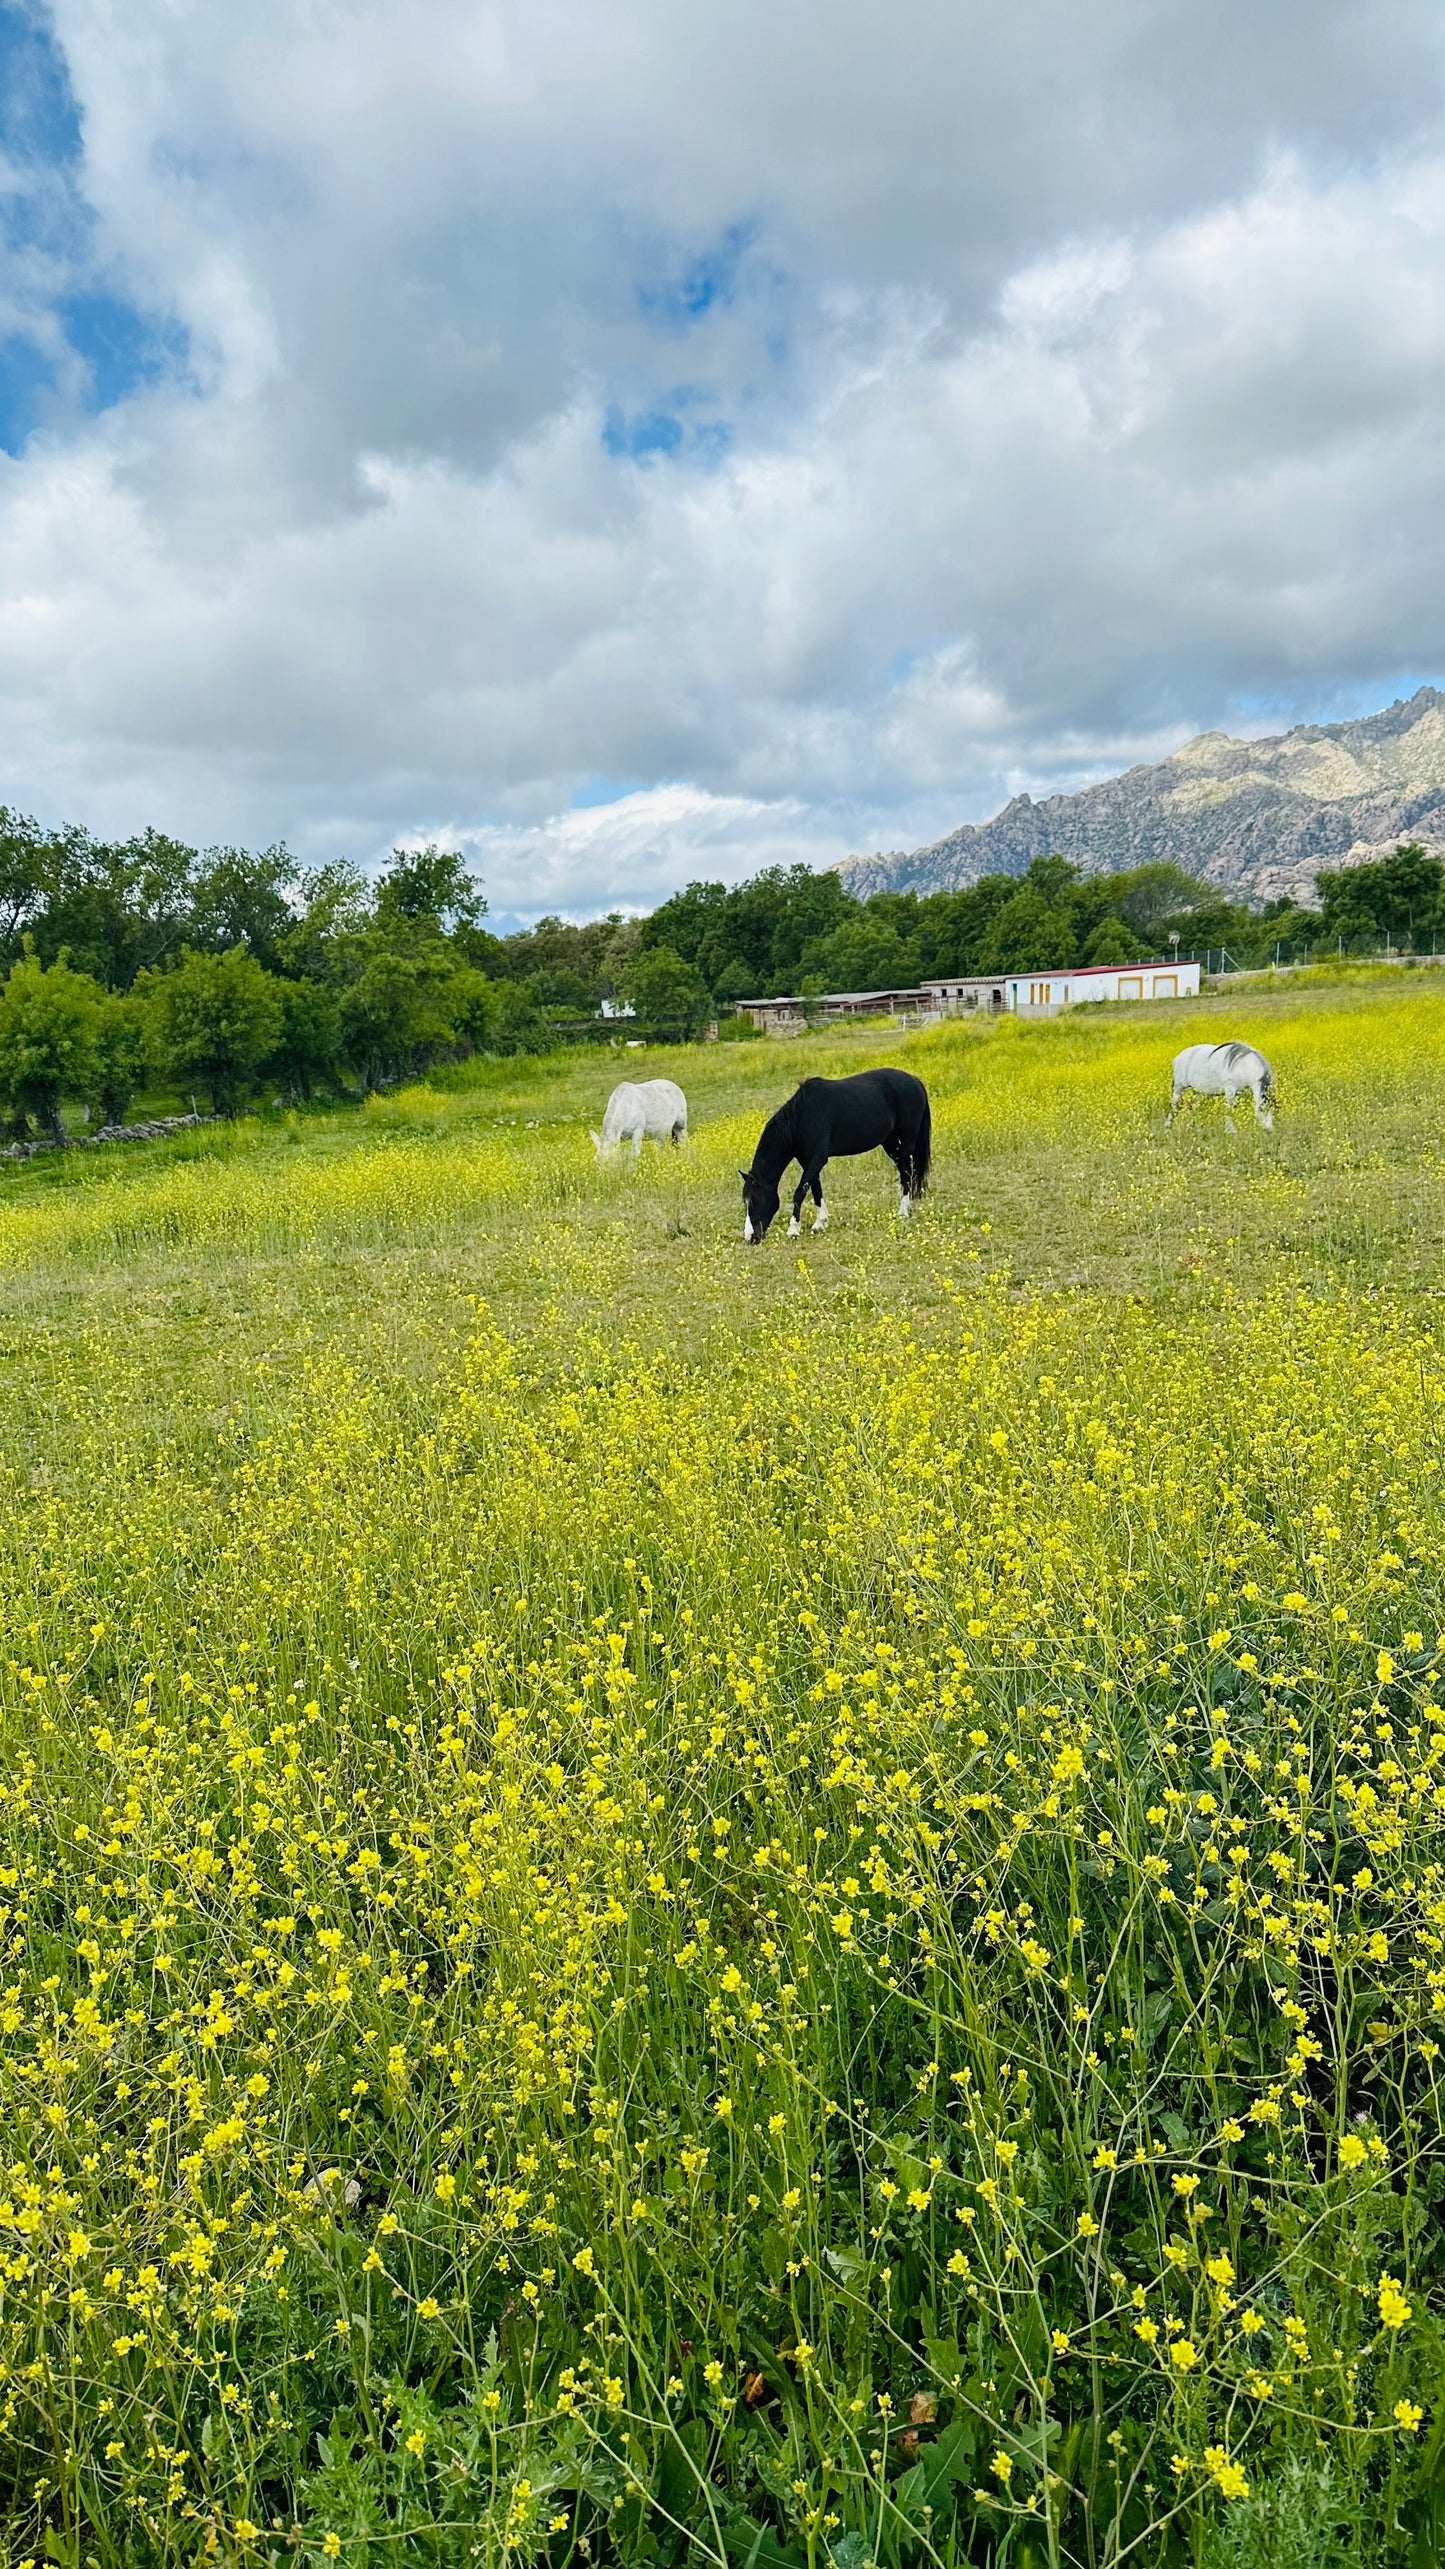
[(665, 1903)]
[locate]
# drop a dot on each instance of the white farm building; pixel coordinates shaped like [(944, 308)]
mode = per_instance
[(1018, 993), (1029, 990)]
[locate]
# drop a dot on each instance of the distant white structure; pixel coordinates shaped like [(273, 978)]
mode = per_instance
[(993, 994), (1029, 992), (792, 1016), (961, 998)]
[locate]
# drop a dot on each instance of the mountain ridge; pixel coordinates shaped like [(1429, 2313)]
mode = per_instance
[(1253, 818)]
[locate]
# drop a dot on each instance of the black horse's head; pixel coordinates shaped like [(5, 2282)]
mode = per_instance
[(760, 1203)]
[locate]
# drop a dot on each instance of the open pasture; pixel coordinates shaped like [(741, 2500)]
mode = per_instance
[(672, 1904)]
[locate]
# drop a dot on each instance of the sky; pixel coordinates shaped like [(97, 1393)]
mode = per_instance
[(631, 442)]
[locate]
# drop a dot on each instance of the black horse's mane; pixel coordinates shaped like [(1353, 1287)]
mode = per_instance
[(777, 1138)]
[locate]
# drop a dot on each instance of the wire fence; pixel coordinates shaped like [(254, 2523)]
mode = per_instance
[(1288, 954)]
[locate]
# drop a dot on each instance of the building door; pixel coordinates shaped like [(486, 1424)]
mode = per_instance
[(1166, 985), (1131, 985)]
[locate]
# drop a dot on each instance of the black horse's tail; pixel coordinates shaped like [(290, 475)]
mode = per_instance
[(923, 1148)]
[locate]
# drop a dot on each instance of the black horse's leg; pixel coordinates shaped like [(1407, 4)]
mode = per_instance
[(810, 1181), (900, 1153)]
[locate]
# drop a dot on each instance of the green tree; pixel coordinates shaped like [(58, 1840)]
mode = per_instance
[(240, 899), (1112, 942), (116, 910), (399, 1010), (218, 1017), (335, 907), (26, 873), (734, 981), (430, 883), (511, 1021), (557, 954), (863, 953), (1400, 898), (119, 1056), (49, 1021), (764, 924), (665, 991), (1152, 899), (1029, 934), (308, 1048)]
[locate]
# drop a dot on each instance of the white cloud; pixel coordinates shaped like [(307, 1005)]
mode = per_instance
[(1038, 390), (629, 854)]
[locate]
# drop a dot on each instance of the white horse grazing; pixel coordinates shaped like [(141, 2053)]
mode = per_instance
[(638, 1109), (1229, 1071)]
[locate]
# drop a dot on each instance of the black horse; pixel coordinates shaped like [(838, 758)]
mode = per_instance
[(875, 1110)]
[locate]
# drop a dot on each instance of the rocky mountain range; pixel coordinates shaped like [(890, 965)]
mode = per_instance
[(1256, 818)]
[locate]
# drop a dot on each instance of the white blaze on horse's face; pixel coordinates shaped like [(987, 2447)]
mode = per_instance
[(747, 1226)]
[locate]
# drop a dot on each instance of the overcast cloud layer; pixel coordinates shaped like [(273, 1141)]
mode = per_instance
[(637, 441)]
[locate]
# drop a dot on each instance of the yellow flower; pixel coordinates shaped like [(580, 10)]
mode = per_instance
[(1227, 2476), (1353, 2152), (331, 2546), (1184, 2354), (1407, 2416), (1394, 2308), (1061, 2341), (416, 2441), (1147, 2330), (1002, 2467)]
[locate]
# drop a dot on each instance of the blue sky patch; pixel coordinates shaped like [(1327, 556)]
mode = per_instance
[(38, 115), (1346, 700), (73, 342), (600, 790), (671, 427), (27, 386), (646, 432), (707, 282)]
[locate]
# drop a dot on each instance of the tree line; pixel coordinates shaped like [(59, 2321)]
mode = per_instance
[(224, 972)]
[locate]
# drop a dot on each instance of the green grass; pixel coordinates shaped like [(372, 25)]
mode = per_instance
[(666, 1903)]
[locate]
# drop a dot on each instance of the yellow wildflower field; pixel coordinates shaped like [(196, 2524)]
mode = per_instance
[(666, 1903)]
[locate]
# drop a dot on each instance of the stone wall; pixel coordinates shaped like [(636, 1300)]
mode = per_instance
[(155, 1131)]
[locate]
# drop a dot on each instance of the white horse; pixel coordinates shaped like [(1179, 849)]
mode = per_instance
[(1230, 1071), (638, 1109)]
